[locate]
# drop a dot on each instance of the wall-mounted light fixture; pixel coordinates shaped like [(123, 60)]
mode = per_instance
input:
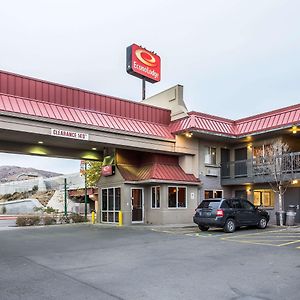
[(294, 129), (294, 181), (188, 134)]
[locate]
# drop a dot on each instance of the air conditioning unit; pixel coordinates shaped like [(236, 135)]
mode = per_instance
[(212, 172)]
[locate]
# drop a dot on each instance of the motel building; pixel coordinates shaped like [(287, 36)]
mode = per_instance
[(166, 159)]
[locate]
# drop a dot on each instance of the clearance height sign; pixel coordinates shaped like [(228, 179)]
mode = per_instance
[(143, 63)]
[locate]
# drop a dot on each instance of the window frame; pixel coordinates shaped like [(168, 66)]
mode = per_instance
[(261, 193), (214, 191), (107, 211), (177, 188), (210, 163), (155, 193)]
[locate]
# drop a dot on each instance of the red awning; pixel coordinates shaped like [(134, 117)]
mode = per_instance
[(156, 172)]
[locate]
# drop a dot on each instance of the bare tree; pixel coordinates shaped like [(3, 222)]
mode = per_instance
[(274, 162)]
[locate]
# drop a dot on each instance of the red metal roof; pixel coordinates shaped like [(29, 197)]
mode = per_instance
[(29, 96), (272, 120), (27, 87), (156, 172), (48, 110), (283, 117), (153, 167), (141, 166), (203, 122)]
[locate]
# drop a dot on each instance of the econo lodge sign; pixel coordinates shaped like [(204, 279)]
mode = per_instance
[(143, 63)]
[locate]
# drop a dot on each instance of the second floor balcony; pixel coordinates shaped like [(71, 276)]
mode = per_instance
[(261, 170)]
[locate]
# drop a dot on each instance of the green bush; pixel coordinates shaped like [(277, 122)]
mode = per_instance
[(77, 218), (50, 210), (28, 220), (49, 220)]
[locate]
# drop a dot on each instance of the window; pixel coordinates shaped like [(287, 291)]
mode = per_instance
[(226, 204), (210, 156), (111, 204), (247, 205), (241, 194), (209, 204), (236, 203), (155, 197), (176, 197), (209, 194), (263, 198), (260, 153)]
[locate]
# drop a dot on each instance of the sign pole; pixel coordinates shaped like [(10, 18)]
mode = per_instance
[(85, 193), (143, 88)]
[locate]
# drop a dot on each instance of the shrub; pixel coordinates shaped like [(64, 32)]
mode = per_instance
[(77, 218), (6, 196), (49, 210), (33, 220), (64, 220), (35, 188), (28, 220), (21, 221), (37, 209), (49, 220)]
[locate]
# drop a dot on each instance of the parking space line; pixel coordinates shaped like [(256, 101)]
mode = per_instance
[(251, 234), (248, 242), (293, 242)]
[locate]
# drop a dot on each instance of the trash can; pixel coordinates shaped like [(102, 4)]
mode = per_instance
[(291, 215), (280, 215), (292, 208)]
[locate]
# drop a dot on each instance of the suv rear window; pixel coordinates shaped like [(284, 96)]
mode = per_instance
[(226, 204), (209, 204)]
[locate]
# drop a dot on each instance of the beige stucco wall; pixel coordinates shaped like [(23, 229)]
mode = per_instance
[(162, 215), (165, 215), (211, 182), (171, 99)]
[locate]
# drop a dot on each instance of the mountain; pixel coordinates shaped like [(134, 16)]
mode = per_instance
[(13, 173)]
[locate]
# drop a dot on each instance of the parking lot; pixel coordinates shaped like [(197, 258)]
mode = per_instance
[(140, 262), (272, 236)]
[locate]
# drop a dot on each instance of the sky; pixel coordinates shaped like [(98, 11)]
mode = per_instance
[(234, 58)]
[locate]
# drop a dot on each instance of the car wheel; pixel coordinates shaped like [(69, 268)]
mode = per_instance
[(203, 228), (262, 224), (229, 226)]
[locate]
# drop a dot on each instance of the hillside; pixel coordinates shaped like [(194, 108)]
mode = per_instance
[(13, 173)]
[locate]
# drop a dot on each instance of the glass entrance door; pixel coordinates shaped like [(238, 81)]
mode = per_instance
[(137, 205)]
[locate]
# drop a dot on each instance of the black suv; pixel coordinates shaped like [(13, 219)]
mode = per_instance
[(229, 214)]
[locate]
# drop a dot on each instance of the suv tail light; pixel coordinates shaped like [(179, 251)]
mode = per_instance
[(220, 213)]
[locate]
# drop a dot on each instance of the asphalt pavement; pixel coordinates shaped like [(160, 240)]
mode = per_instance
[(103, 262)]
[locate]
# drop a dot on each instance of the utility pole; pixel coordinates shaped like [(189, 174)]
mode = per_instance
[(65, 187), (85, 193)]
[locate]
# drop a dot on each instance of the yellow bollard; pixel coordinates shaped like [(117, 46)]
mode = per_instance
[(120, 218), (93, 217)]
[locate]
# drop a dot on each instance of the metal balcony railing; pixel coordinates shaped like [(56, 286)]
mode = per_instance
[(286, 165)]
